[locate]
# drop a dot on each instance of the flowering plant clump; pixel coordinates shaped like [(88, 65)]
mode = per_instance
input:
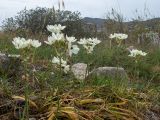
[(55, 37), (27, 53), (25, 46), (21, 43), (119, 37), (61, 45), (135, 53), (89, 44), (55, 28), (35, 43), (56, 34)]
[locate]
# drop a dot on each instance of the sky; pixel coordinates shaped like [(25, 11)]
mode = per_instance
[(88, 8)]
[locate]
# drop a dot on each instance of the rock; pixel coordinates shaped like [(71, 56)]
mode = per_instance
[(110, 72), (9, 65), (4, 62), (79, 70), (32, 118), (156, 109), (150, 115)]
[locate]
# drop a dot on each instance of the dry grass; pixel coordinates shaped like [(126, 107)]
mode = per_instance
[(87, 103)]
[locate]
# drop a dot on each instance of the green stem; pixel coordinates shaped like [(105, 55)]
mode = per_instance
[(86, 71), (59, 79), (26, 108)]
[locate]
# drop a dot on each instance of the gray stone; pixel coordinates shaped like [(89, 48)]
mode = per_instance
[(150, 115), (110, 72), (32, 118), (4, 62), (9, 64), (79, 70)]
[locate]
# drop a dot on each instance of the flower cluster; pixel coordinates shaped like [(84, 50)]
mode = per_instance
[(56, 34), (89, 44), (72, 49), (55, 28), (21, 43), (62, 63), (119, 36), (134, 53), (35, 43)]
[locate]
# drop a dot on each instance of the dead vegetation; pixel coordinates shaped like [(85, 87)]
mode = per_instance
[(87, 103)]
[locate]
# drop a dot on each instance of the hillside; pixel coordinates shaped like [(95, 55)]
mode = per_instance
[(97, 21), (151, 23)]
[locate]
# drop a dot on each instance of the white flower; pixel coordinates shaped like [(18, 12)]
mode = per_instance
[(90, 41), (36, 43), (118, 36), (61, 62), (93, 41), (112, 36), (55, 60), (66, 68), (82, 41), (50, 41), (55, 37), (13, 55), (123, 36), (58, 36), (55, 28), (29, 42), (89, 44), (20, 43), (89, 48), (135, 53), (73, 49), (71, 39)]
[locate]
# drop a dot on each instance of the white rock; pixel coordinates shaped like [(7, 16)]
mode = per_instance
[(79, 70), (111, 72), (32, 118)]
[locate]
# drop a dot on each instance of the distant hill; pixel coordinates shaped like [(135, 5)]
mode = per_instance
[(97, 21), (151, 23), (100, 21)]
